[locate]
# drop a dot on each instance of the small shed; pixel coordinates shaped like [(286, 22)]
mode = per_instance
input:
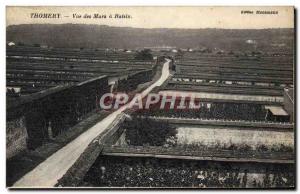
[(277, 113)]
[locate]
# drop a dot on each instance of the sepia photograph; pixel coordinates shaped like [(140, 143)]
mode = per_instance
[(150, 97)]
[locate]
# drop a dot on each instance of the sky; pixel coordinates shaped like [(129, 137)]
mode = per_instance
[(160, 17)]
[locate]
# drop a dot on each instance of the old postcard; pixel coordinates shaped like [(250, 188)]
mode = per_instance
[(150, 97)]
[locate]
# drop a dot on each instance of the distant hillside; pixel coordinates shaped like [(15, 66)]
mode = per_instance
[(96, 36)]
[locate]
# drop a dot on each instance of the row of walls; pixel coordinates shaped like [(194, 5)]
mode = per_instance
[(49, 113)]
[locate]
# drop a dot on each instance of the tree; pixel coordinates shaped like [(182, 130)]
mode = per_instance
[(141, 132), (20, 44), (144, 55)]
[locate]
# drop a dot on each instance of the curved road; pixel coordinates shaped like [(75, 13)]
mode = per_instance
[(47, 173)]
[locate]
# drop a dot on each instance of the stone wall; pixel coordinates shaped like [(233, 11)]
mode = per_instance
[(133, 80), (49, 113), (16, 137), (288, 102)]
